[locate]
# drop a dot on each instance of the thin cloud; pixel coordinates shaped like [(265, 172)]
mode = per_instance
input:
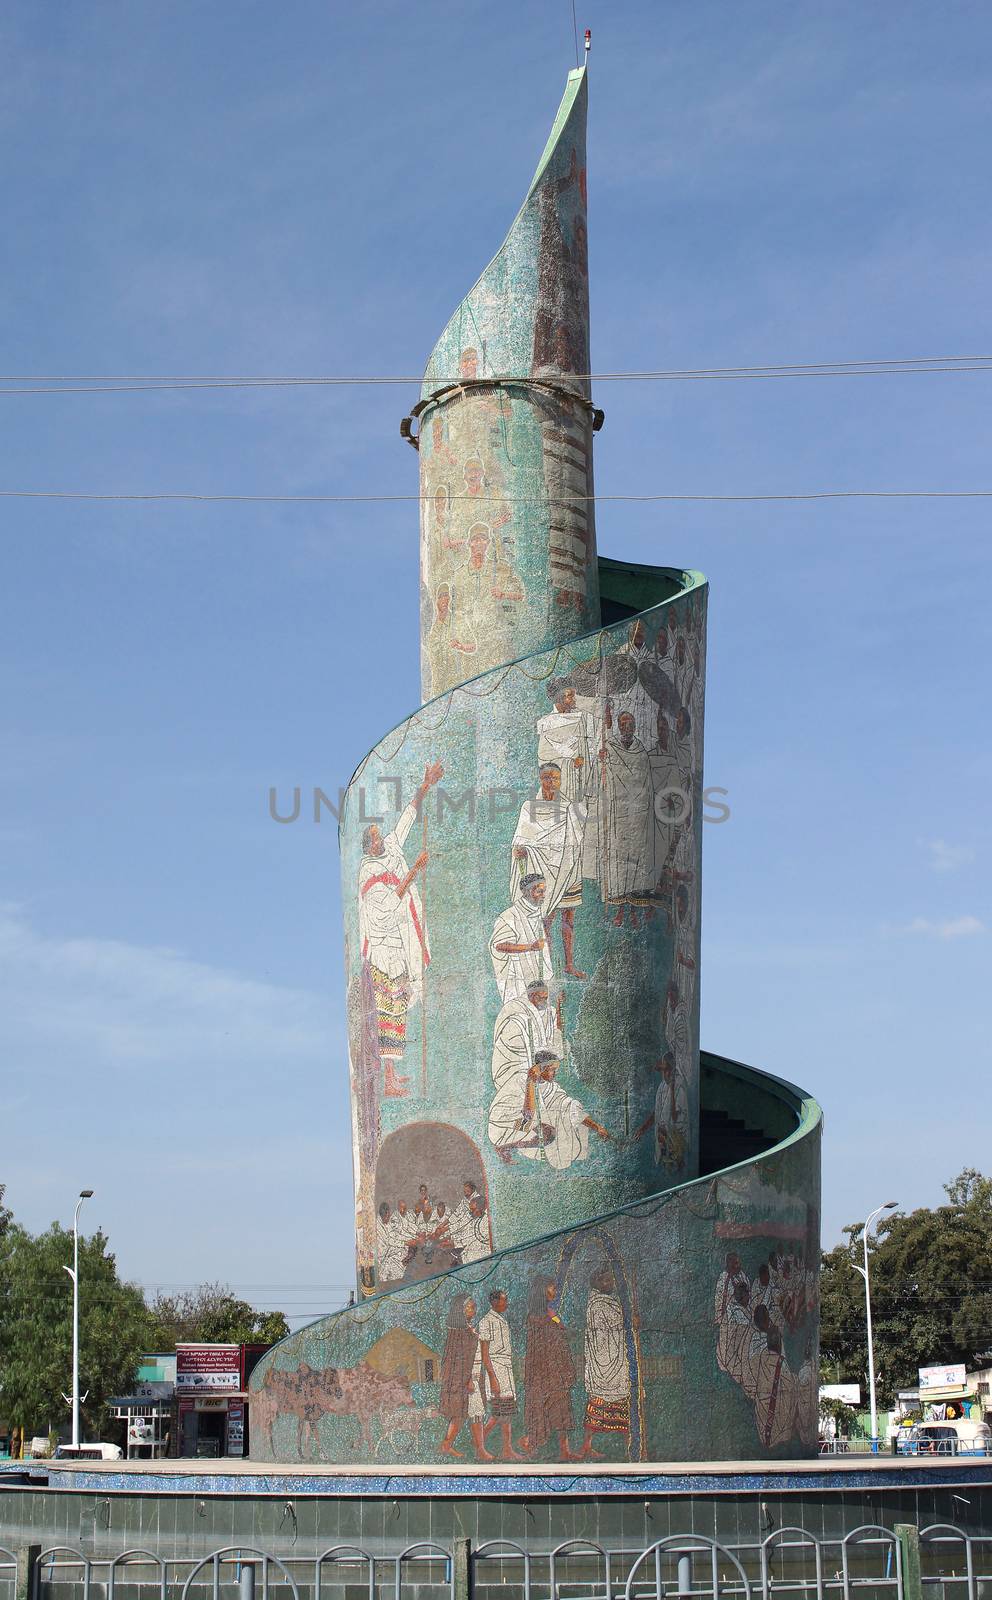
[(116, 1005), (953, 928), (946, 857)]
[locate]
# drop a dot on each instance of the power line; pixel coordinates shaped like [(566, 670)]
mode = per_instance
[(388, 499), (126, 383)]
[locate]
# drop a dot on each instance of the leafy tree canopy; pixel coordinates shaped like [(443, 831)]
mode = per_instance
[(931, 1291), (211, 1314), (116, 1326), (36, 1328)]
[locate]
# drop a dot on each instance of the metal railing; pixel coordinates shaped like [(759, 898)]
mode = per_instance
[(860, 1446), (868, 1563)]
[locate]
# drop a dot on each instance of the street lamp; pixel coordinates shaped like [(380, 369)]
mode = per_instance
[(73, 1271), (890, 1205)]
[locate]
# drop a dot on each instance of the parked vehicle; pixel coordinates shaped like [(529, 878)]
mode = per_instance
[(960, 1437), (88, 1452)]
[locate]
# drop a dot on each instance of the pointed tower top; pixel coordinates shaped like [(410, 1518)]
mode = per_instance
[(527, 316)]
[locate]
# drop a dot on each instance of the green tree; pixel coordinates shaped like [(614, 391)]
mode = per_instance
[(36, 1328), (212, 1314), (931, 1290)]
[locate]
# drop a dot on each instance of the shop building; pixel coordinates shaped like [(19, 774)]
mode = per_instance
[(190, 1402)]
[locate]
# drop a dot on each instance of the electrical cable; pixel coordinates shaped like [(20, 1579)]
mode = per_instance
[(364, 499), (116, 383)]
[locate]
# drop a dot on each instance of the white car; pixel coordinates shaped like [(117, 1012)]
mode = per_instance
[(88, 1452)]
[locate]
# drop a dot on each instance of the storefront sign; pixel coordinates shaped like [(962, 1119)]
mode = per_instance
[(206, 1367), (942, 1377), (210, 1402)]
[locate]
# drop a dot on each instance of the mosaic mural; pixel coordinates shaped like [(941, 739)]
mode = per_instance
[(521, 875), (683, 1327), (522, 929)]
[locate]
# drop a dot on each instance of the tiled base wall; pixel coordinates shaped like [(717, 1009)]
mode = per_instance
[(180, 1525)]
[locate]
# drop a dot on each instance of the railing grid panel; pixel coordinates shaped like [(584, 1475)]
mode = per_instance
[(789, 1564)]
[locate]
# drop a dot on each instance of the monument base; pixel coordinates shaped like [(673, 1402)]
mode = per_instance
[(170, 1529)]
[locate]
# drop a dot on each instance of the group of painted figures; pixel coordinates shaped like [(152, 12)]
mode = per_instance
[(479, 1385), (618, 759), (440, 1236), (753, 1316)]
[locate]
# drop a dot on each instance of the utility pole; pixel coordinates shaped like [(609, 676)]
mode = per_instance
[(73, 1271), (889, 1205)]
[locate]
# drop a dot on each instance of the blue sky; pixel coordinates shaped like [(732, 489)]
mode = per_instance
[(310, 188)]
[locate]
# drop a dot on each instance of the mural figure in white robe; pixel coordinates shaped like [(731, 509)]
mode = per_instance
[(549, 1125), (391, 930), (496, 1358), (627, 822), (641, 705), (477, 1237), (671, 1117), (733, 1274), (460, 1223), (775, 1394), (548, 840), (390, 1247), (607, 1362), (523, 1027), (735, 1332), (672, 809), (570, 737), (754, 1350), (519, 943)]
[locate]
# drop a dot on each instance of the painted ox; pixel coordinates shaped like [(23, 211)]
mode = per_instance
[(311, 1393)]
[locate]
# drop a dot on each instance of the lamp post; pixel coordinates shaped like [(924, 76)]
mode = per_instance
[(73, 1271), (889, 1205)]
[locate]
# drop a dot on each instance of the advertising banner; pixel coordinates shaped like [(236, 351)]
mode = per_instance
[(942, 1377), (208, 1368), (850, 1393)]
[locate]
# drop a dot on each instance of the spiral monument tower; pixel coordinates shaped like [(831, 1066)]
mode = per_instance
[(577, 1236)]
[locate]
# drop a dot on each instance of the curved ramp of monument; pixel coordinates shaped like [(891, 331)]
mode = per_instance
[(629, 590), (367, 1384)]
